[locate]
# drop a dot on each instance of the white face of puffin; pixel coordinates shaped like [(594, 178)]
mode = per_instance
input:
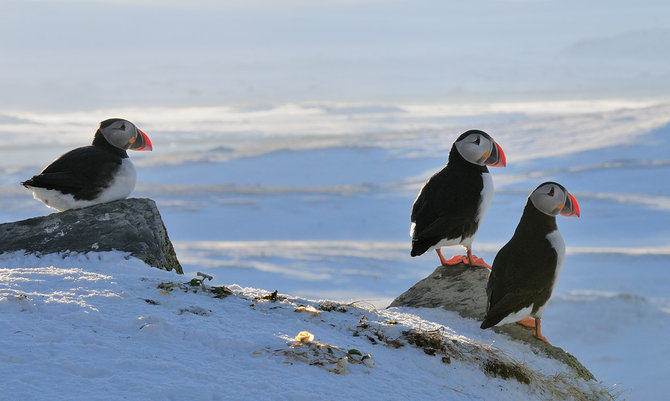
[(552, 198), (124, 135), (481, 150)]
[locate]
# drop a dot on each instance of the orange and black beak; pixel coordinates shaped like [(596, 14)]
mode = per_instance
[(141, 141), (571, 207), (497, 157)]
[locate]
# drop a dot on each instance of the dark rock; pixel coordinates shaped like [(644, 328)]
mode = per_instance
[(462, 289), (457, 288), (127, 225)]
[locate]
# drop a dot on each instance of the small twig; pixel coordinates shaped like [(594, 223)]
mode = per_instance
[(367, 304), (204, 276), (202, 280)]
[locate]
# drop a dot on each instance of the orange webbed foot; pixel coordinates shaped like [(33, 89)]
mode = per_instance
[(537, 333), (477, 261), (468, 260), (527, 322), (542, 338), (457, 260)]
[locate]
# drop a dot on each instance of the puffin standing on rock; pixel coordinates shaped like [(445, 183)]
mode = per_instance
[(99, 173), (452, 203), (525, 271)]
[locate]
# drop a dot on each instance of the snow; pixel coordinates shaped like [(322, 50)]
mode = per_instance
[(290, 140), (98, 325)]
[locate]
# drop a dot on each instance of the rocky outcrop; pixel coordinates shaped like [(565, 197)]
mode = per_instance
[(128, 225), (462, 289)]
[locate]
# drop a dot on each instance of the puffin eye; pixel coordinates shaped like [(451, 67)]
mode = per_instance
[(551, 191), (123, 126), (477, 141)]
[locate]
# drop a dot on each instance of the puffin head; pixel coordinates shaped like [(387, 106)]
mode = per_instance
[(479, 148), (124, 135), (552, 199)]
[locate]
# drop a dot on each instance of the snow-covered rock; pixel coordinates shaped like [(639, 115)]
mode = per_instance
[(128, 225), (462, 289)]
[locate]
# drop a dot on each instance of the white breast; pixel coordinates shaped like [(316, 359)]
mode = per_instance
[(487, 196), (556, 241), (122, 184)]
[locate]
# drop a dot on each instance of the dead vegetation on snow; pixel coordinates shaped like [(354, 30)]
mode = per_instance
[(337, 359)]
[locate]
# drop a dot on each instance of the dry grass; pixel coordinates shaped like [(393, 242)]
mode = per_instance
[(493, 362)]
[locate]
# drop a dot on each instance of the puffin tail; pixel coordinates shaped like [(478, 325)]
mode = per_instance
[(419, 247), (26, 183), (486, 324), (490, 321)]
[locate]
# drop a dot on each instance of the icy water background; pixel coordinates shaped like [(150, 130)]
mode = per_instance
[(319, 206)]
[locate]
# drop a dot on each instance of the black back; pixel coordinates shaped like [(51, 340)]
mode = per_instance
[(448, 203), (523, 270), (83, 172)]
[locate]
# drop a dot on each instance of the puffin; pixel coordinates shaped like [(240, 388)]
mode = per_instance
[(98, 173), (525, 271), (453, 202)]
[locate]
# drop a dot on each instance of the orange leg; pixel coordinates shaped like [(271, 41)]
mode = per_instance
[(538, 331), (443, 261), (534, 324)]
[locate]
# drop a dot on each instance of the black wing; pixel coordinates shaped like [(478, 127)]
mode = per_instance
[(446, 208), (521, 275), (83, 172), (511, 302)]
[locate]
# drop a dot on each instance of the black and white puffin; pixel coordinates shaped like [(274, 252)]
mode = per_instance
[(89, 175), (525, 271), (452, 203)]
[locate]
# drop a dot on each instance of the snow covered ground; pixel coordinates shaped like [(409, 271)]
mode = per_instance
[(98, 327), (290, 140)]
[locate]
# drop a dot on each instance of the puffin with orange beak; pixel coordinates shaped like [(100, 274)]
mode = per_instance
[(452, 203), (99, 173), (525, 271)]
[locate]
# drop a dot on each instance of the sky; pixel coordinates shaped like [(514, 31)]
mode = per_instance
[(65, 55)]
